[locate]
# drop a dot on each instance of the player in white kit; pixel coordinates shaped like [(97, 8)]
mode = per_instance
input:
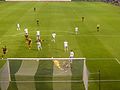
[(71, 55), (26, 34), (38, 35), (53, 36), (65, 46), (26, 31), (39, 46), (18, 26), (76, 30)]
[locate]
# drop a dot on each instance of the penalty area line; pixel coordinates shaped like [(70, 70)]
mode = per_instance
[(117, 60)]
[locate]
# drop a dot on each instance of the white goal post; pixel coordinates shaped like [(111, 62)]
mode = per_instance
[(45, 58), (29, 67)]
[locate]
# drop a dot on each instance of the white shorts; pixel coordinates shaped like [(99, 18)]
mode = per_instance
[(39, 45), (76, 30), (65, 46), (53, 37)]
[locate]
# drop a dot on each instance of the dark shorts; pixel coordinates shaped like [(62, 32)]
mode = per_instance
[(97, 27), (4, 52), (26, 36), (29, 43)]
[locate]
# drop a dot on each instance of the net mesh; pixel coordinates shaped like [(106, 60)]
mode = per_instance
[(4, 76), (46, 73)]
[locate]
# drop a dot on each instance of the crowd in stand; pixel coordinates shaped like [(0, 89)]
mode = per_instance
[(115, 2)]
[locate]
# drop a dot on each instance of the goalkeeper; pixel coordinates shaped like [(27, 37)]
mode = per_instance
[(66, 66), (57, 63)]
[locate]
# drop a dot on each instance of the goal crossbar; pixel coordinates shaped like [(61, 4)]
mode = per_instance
[(45, 58)]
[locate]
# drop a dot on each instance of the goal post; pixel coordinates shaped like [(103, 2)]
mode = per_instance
[(45, 58), (36, 71), (85, 75)]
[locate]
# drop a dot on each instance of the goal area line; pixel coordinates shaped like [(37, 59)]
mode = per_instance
[(71, 34), (114, 58)]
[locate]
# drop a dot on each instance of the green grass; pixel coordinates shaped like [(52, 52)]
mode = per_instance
[(62, 18)]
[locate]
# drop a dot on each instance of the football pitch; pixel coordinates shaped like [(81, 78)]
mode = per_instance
[(101, 49)]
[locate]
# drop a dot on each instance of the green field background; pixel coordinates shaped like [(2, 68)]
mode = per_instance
[(62, 18)]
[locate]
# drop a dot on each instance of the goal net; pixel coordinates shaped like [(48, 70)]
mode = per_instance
[(47, 73), (4, 76)]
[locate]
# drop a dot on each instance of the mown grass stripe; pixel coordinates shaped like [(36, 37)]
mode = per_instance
[(44, 73), (14, 67), (26, 72)]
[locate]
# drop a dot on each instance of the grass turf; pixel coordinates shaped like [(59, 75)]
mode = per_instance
[(62, 18)]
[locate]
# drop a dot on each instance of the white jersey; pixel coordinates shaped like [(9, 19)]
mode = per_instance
[(71, 54), (98, 25), (39, 43), (26, 30), (76, 29), (65, 44), (38, 33), (18, 25), (53, 35)]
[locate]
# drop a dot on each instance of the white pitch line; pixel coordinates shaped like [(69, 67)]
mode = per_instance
[(117, 60), (104, 80), (70, 34), (95, 73), (97, 59), (68, 81), (21, 34)]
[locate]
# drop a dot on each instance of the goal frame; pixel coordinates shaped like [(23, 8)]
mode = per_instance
[(46, 58)]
